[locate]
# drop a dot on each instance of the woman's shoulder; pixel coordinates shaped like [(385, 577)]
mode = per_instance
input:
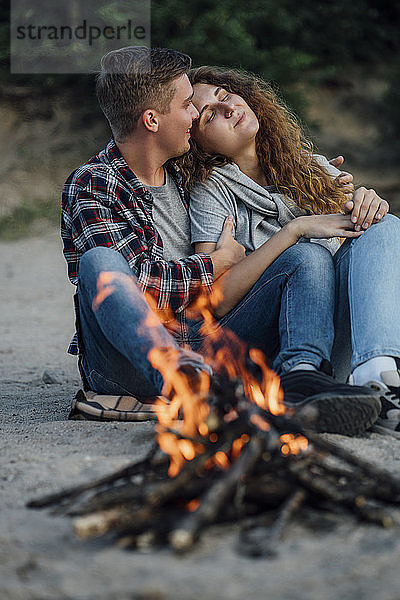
[(218, 182)]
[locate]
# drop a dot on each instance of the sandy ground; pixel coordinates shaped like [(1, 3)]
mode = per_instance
[(41, 452)]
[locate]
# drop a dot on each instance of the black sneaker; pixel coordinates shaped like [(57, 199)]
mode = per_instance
[(327, 406)]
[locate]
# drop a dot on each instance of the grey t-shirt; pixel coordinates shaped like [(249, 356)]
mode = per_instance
[(171, 219)]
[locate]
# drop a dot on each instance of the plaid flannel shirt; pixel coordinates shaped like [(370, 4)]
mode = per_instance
[(104, 204)]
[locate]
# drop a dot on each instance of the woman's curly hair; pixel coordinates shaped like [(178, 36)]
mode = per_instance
[(285, 155)]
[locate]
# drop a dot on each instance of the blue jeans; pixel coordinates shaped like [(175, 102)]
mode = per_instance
[(367, 301), (288, 313), (305, 307)]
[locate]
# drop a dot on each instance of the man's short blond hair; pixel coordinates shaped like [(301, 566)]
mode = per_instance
[(136, 78)]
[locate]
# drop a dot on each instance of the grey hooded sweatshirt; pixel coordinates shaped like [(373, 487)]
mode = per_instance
[(259, 211)]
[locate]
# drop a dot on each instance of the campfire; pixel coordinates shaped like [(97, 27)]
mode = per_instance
[(225, 453)]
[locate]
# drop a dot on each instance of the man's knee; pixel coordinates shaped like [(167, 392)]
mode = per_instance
[(102, 258), (96, 264)]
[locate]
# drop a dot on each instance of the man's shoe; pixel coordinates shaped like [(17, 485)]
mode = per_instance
[(388, 421), (90, 406), (334, 407)]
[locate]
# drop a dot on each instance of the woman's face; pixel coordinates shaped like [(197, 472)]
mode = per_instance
[(226, 124)]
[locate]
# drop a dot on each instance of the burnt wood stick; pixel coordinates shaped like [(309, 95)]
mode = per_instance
[(364, 509), (367, 468), (375, 473), (352, 500), (118, 518), (267, 490), (153, 532), (165, 490), (260, 539), (129, 493), (125, 472), (372, 512), (334, 470), (127, 521), (318, 485), (378, 492), (183, 537), (365, 485), (135, 494)]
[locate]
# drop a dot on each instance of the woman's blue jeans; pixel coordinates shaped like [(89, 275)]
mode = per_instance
[(307, 306), (367, 321)]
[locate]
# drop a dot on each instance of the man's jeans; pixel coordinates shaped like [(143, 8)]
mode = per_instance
[(291, 313)]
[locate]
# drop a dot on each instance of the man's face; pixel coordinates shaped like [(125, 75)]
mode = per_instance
[(174, 129)]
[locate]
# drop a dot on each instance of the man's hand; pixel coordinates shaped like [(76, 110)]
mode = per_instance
[(228, 251), (337, 162), (233, 250), (366, 208), (345, 179)]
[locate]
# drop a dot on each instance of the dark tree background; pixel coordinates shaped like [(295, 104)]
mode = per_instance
[(281, 39), (286, 41), (348, 50)]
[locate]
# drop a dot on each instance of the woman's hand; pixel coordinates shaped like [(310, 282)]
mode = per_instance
[(324, 226), (366, 208)]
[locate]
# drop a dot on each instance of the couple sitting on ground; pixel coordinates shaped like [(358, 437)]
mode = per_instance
[(261, 224)]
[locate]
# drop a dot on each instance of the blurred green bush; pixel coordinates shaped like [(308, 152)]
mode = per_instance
[(293, 44)]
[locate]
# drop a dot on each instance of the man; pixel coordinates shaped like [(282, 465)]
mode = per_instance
[(125, 229)]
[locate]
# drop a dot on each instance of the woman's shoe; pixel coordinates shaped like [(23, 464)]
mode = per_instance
[(327, 406), (388, 421)]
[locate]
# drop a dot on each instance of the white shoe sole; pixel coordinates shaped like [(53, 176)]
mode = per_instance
[(386, 431)]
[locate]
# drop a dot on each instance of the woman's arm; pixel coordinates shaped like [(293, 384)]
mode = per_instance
[(239, 279), (234, 284)]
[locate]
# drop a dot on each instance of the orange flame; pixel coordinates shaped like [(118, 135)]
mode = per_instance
[(259, 422), (238, 445), (193, 505), (221, 459), (293, 444), (183, 420), (270, 395), (186, 413), (104, 287), (227, 354)]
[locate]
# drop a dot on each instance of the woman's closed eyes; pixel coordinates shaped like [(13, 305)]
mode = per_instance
[(212, 113)]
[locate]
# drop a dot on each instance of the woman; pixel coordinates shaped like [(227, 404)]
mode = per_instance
[(250, 160)]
